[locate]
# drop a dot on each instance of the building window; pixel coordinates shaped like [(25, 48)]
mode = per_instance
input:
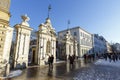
[(0, 46), (81, 33), (82, 42), (75, 34), (85, 35)]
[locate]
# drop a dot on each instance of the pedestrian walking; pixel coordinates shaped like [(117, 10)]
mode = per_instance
[(71, 60), (119, 56), (116, 57), (113, 57), (110, 57), (51, 61), (105, 56), (93, 56)]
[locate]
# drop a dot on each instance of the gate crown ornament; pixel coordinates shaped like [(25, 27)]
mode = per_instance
[(25, 19)]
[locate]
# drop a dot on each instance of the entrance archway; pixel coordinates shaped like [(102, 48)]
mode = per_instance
[(33, 57)]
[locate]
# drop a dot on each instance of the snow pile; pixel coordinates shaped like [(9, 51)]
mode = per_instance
[(108, 63), (15, 73), (12, 74), (60, 61)]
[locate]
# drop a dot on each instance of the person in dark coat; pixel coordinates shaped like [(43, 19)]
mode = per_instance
[(71, 59), (85, 58), (51, 60)]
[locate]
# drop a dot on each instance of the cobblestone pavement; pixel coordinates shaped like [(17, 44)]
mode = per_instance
[(95, 72), (79, 71)]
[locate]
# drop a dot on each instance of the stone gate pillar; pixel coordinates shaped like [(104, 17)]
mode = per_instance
[(23, 31), (6, 33), (46, 42), (67, 50)]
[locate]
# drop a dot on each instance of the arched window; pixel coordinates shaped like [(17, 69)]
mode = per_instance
[(48, 47)]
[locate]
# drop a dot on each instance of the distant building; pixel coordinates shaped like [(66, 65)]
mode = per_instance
[(84, 39), (100, 46), (109, 48), (116, 47)]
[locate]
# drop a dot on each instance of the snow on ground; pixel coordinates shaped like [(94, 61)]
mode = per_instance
[(15, 73), (108, 63), (60, 61), (99, 72)]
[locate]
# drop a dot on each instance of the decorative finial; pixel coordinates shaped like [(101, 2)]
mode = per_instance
[(49, 8), (25, 19)]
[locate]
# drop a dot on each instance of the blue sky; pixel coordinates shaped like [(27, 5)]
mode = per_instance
[(95, 16)]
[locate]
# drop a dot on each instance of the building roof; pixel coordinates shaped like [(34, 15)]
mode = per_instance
[(99, 37), (74, 28)]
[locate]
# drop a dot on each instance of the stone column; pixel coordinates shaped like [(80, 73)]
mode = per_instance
[(42, 42), (76, 49), (44, 47), (5, 43), (37, 49), (54, 50), (6, 33), (22, 43), (51, 45), (72, 52), (67, 50), (40, 47)]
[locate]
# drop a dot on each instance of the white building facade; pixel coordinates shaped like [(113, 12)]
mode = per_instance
[(100, 46), (84, 39), (116, 47)]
